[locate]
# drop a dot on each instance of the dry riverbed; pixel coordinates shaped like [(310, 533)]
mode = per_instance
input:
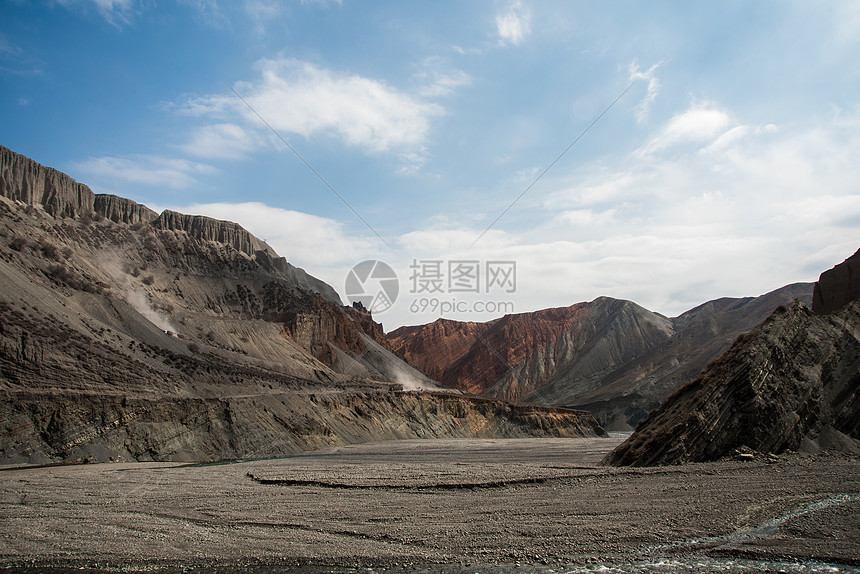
[(520, 505)]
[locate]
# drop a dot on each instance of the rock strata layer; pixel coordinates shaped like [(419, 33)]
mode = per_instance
[(793, 382), (122, 210), (24, 180)]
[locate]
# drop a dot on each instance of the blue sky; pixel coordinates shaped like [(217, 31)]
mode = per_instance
[(728, 168)]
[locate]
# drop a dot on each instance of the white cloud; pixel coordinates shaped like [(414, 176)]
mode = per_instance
[(436, 80), (514, 25), (587, 217), (714, 208), (221, 141), (297, 97), (698, 125), (143, 169)]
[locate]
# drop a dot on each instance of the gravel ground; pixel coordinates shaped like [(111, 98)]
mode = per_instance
[(521, 505)]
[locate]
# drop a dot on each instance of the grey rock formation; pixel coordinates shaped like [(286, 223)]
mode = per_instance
[(122, 210), (208, 229), (792, 382), (838, 286), (24, 180), (100, 427)]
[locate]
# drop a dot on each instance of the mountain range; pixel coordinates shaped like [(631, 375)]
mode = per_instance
[(611, 357), (127, 334)]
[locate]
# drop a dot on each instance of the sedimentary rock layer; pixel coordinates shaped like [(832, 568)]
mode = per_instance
[(792, 382)]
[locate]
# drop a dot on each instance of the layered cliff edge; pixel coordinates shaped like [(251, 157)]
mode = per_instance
[(792, 383), (130, 335), (28, 182)]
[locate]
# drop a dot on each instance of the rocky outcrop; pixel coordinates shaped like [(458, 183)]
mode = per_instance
[(24, 180), (793, 381), (122, 210), (208, 229), (321, 328), (297, 276), (838, 286), (611, 357)]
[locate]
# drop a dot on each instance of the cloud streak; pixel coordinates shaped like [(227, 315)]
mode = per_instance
[(117, 13), (635, 74)]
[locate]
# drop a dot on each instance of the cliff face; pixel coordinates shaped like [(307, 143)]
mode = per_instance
[(28, 182), (122, 210), (838, 286), (611, 357), (792, 382), (209, 229), (24, 180), (434, 348), (321, 328)]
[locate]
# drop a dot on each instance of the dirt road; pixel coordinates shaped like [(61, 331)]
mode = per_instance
[(443, 505)]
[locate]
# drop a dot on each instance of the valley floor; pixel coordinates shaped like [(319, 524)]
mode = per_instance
[(520, 505)]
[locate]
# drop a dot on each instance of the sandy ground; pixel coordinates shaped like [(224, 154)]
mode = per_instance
[(521, 505)]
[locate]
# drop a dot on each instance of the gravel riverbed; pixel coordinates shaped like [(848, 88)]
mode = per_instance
[(520, 505)]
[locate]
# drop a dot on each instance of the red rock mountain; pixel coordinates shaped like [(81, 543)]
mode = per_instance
[(609, 356)]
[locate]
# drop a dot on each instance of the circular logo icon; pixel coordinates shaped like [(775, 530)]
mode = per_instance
[(374, 284)]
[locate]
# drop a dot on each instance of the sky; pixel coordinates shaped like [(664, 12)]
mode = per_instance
[(493, 156)]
